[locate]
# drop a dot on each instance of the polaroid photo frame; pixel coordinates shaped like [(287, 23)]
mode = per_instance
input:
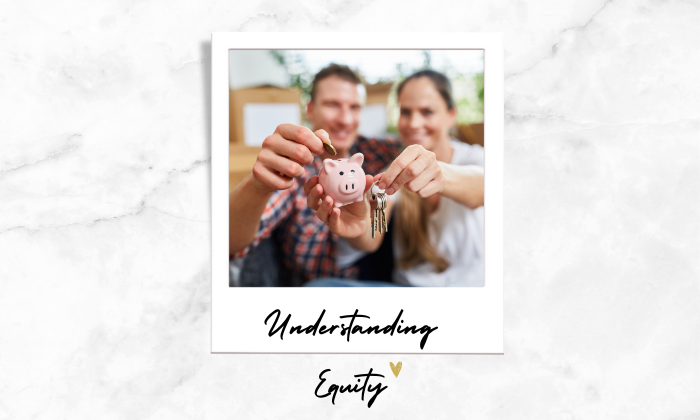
[(458, 320)]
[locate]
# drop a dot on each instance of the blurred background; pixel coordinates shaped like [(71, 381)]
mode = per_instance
[(271, 87)]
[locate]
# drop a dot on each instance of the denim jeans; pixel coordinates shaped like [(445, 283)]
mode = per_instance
[(335, 282)]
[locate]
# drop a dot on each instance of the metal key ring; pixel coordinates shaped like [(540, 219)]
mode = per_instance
[(374, 195), (373, 185), (371, 195)]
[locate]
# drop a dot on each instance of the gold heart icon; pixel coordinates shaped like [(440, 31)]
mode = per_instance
[(395, 369)]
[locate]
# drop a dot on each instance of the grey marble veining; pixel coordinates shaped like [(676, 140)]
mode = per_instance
[(105, 216)]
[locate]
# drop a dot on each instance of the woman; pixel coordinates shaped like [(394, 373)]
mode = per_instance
[(439, 239), (437, 187)]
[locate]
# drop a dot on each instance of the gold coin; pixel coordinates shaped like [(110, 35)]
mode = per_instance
[(329, 149)]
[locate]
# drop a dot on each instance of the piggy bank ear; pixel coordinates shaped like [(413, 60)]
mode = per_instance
[(357, 158), (329, 164)]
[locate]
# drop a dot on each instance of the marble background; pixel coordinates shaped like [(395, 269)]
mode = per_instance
[(105, 215)]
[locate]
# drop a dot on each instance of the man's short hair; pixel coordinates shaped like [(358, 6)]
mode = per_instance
[(344, 72)]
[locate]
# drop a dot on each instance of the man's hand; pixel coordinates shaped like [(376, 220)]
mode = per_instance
[(284, 155), (349, 221), (417, 170)]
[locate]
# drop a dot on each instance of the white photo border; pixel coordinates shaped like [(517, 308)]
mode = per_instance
[(469, 319)]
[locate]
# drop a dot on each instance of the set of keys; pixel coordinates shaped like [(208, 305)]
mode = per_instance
[(379, 215)]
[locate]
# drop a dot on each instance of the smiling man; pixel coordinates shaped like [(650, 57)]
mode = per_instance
[(271, 200)]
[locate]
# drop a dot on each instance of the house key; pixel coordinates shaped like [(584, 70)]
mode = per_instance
[(379, 215)]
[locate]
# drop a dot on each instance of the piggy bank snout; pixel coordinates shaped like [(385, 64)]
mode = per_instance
[(349, 186)]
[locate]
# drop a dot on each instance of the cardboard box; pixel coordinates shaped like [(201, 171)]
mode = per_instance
[(240, 162), (378, 93), (238, 98)]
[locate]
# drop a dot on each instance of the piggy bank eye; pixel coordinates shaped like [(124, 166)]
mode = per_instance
[(352, 171), (341, 172)]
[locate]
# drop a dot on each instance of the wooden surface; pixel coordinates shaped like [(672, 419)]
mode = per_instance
[(471, 133)]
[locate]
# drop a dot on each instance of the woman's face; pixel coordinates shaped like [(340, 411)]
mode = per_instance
[(424, 118)]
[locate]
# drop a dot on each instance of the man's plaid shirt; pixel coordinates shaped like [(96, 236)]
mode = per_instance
[(309, 248)]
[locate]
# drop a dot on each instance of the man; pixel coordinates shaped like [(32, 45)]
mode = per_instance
[(272, 198)]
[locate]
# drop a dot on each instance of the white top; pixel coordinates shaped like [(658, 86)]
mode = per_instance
[(347, 255), (456, 232)]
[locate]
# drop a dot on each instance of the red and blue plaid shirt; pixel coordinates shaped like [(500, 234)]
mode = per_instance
[(309, 249)]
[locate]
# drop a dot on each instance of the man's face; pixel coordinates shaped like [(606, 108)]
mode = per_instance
[(336, 109)]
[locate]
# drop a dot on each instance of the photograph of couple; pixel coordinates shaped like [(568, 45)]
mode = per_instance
[(416, 118)]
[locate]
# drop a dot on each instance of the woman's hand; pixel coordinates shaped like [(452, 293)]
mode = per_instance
[(417, 170), (465, 184), (349, 221)]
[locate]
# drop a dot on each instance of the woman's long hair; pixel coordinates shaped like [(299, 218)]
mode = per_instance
[(412, 212)]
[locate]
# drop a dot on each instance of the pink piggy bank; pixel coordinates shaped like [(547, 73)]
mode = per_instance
[(343, 179)]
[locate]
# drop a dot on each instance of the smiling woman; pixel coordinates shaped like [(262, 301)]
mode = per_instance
[(427, 111), (439, 242)]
